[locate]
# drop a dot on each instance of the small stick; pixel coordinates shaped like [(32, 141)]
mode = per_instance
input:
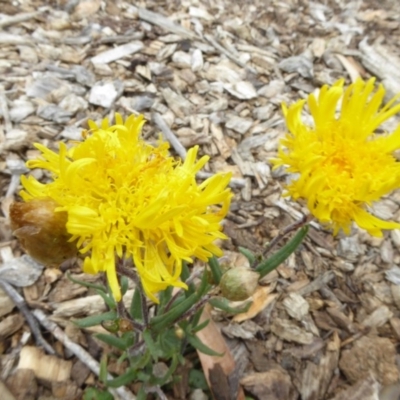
[(229, 54), (156, 389), (21, 17), (19, 301), (169, 135), (181, 151), (122, 392)]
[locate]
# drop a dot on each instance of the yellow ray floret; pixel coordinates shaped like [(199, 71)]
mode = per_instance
[(341, 164), (126, 198)]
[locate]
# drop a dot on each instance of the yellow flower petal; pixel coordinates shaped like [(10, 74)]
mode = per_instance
[(341, 165), (127, 198)]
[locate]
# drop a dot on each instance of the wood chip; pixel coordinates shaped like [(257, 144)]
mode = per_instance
[(49, 368), (289, 331)]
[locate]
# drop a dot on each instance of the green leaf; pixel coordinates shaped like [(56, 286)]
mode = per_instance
[(124, 285), (199, 345), (87, 284), (169, 343), (185, 274), (248, 254), (94, 320), (201, 326), (268, 265), (109, 300), (141, 395), (224, 304), (103, 369), (215, 269), (165, 296), (125, 379), (135, 310), (140, 362), (160, 322), (196, 317), (96, 394), (154, 349), (119, 343)]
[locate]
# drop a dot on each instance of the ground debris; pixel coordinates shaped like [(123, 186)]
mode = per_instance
[(214, 77)]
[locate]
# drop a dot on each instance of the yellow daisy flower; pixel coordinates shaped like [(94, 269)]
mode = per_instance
[(126, 198), (342, 166)]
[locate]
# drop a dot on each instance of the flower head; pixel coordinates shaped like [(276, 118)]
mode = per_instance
[(342, 164), (126, 198)]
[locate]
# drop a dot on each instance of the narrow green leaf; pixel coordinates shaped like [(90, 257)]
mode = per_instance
[(87, 284), (185, 274), (200, 326), (215, 269), (125, 379), (199, 345), (103, 369), (114, 341), (248, 254), (141, 395), (155, 350), (94, 320), (109, 300), (224, 304), (138, 363), (164, 297), (124, 285), (96, 394), (160, 322), (268, 265), (136, 306), (196, 317)]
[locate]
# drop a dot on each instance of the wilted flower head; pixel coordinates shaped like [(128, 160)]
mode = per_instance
[(342, 165), (127, 198), (42, 232)]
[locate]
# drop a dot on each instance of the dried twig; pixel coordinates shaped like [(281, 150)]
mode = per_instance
[(229, 54), (169, 135), (5, 112), (165, 23), (122, 392), (15, 19), (181, 151), (19, 301)]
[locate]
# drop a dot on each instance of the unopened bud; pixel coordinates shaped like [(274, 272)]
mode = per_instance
[(239, 283), (42, 232), (179, 332)]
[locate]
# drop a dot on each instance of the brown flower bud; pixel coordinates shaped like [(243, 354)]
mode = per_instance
[(239, 283), (42, 232)]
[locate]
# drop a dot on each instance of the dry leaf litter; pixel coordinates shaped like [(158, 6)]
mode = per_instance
[(324, 325)]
